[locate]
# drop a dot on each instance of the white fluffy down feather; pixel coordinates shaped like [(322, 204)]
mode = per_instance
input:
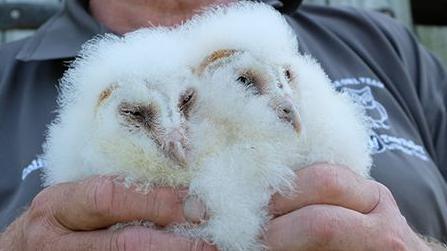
[(168, 107)]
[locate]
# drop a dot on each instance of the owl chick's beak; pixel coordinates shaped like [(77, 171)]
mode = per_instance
[(287, 112), (175, 146)]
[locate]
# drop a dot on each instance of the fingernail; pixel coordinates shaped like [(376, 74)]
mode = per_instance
[(182, 193), (194, 210)]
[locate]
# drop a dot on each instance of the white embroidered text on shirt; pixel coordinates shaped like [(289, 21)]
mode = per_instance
[(33, 166), (377, 117)]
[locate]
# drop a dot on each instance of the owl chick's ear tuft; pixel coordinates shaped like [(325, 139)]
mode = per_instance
[(214, 57)]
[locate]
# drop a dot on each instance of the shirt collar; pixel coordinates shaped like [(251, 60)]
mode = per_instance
[(63, 35)]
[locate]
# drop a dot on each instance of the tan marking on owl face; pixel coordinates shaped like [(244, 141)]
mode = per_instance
[(105, 94), (213, 57)]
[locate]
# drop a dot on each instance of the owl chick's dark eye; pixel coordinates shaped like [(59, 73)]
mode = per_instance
[(251, 82), (245, 80), (133, 113), (138, 115), (186, 100), (288, 74)]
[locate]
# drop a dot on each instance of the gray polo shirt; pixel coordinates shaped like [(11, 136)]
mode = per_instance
[(402, 87)]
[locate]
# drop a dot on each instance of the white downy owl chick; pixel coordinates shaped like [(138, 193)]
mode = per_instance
[(243, 152), (331, 127), (122, 110), (248, 62)]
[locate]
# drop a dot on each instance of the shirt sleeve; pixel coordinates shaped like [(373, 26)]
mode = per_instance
[(429, 77), (431, 84)]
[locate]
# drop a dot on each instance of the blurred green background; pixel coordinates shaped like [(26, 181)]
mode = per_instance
[(426, 18)]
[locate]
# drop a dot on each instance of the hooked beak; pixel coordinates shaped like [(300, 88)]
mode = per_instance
[(175, 146), (287, 112)]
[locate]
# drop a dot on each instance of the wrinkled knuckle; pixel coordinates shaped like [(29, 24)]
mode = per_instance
[(100, 195), (41, 204), (120, 241), (126, 240), (167, 211), (33, 238), (163, 206), (154, 206), (330, 182), (36, 235), (197, 245), (323, 230), (39, 222)]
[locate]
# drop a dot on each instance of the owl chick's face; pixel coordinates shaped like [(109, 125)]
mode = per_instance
[(152, 112), (257, 77)]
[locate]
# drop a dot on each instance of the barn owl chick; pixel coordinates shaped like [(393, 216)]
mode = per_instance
[(123, 111), (244, 153), (250, 149), (248, 77)]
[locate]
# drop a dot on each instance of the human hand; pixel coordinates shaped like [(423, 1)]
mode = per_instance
[(76, 215), (336, 209)]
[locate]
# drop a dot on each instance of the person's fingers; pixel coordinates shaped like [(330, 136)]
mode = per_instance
[(387, 202), (100, 202), (130, 238), (328, 184), (318, 227), (329, 227)]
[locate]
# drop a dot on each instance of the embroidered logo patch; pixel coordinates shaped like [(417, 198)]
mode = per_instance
[(359, 89)]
